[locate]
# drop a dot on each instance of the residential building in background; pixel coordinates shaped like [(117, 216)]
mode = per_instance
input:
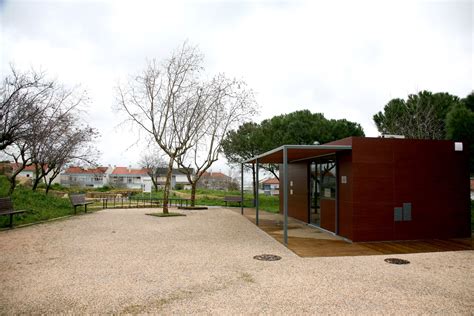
[(119, 177), (29, 173), (270, 186), (179, 180), (217, 181), (124, 177), (85, 177)]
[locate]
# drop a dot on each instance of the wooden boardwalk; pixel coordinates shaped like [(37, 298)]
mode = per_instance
[(307, 241)]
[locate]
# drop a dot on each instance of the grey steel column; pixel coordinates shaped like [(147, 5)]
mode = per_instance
[(337, 195), (256, 195), (242, 188), (285, 195)]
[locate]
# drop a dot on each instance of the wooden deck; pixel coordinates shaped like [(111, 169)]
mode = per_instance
[(307, 241)]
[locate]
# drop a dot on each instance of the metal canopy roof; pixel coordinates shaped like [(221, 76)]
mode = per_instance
[(297, 152)]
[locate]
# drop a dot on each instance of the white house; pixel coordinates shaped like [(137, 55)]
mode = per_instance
[(28, 173), (271, 186), (178, 178), (128, 177), (82, 177)]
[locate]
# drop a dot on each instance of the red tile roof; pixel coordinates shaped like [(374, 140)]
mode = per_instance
[(271, 181), (215, 175), (27, 168), (126, 171), (81, 170)]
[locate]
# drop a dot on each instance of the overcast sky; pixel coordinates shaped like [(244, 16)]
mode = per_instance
[(345, 59)]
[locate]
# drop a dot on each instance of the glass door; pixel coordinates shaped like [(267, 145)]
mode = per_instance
[(314, 189), (322, 177)]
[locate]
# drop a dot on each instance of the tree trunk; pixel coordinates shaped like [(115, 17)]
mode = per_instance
[(36, 181), (48, 186), (155, 183), (193, 193), (12, 181), (166, 192), (50, 181), (254, 185)]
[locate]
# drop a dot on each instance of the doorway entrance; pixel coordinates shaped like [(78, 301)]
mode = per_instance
[(322, 188)]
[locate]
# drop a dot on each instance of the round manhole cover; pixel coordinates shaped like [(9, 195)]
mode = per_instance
[(397, 261), (267, 257)]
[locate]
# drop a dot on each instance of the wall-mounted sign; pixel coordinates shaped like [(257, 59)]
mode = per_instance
[(343, 179), (327, 192), (457, 146)]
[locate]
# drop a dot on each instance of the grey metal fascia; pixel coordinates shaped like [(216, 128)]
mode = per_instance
[(265, 154), (338, 147)]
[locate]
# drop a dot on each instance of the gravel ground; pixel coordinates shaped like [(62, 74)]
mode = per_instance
[(121, 261)]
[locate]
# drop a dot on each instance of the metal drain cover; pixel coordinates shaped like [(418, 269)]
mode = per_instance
[(397, 261), (266, 257)]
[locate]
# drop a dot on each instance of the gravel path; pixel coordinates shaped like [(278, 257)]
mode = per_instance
[(121, 261)]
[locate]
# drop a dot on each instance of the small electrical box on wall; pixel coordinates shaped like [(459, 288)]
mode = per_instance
[(402, 213), (344, 179)]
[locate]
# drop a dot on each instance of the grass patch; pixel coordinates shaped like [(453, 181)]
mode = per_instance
[(165, 214), (40, 207), (206, 197), (215, 198)]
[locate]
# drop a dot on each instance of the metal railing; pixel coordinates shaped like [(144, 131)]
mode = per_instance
[(125, 202)]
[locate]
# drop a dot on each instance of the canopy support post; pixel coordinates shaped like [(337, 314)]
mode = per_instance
[(242, 189), (256, 194), (285, 195)]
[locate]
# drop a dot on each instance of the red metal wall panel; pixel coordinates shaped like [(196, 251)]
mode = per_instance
[(344, 160), (428, 174), (328, 214)]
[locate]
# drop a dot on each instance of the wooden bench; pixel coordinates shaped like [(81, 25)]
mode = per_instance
[(79, 200), (236, 199), (6, 208)]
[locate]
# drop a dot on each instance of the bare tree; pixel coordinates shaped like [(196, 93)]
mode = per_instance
[(74, 145), (153, 162), (21, 97), (165, 102), (20, 154), (229, 104), (51, 134), (56, 133)]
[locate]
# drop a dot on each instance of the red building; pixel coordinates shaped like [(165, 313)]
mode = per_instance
[(376, 189)]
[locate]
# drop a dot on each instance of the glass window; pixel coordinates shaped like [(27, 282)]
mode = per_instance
[(327, 177), (328, 185)]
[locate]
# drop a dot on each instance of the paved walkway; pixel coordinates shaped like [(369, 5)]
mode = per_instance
[(122, 261)]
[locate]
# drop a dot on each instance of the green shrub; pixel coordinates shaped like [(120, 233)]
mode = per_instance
[(105, 188), (4, 186)]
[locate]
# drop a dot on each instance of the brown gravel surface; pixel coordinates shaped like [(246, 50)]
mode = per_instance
[(122, 261)]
